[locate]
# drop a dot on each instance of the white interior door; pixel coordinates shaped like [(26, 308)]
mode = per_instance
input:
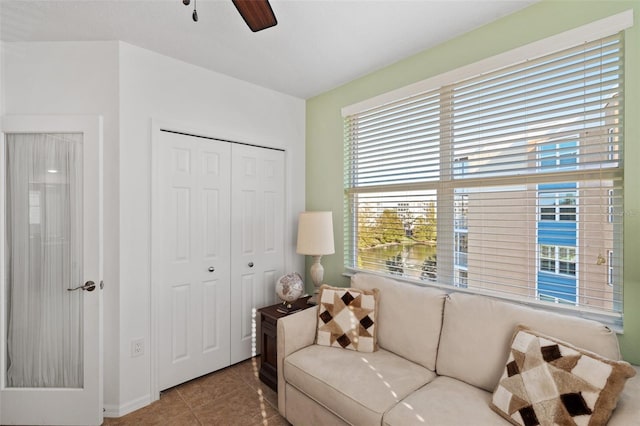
[(51, 354), (192, 238), (257, 246)]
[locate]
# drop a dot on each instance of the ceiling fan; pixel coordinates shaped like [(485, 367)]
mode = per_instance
[(256, 13)]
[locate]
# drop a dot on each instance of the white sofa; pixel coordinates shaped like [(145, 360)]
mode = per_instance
[(440, 358)]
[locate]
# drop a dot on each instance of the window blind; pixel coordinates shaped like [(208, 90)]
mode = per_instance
[(509, 182)]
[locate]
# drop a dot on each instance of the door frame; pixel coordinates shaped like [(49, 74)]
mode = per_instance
[(91, 127)]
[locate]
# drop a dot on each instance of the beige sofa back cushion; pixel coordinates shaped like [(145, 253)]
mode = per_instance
[(409, 317), (477, 331)]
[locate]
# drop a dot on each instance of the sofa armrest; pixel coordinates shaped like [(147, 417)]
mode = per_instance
[(627, 411), (294, 333)]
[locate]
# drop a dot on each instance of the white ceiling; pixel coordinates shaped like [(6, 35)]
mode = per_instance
[(316, 46)]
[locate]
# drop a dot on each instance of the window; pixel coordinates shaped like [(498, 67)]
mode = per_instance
[(460, 212), (500, 183), (461, 278), (610, 269), (566, 260), (460, 251), (611, 204), (557, 156), (547, 258), (558, 260), (557, 206)]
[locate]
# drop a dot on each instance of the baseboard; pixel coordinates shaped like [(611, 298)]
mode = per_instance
[(124, 409)]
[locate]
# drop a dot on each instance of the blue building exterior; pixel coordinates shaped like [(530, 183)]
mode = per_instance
[(557, 228)]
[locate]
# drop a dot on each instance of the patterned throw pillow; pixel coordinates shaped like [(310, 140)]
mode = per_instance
[(550, 382), (347, 318)]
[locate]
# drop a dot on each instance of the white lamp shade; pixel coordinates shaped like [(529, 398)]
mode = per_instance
[(315, 233)]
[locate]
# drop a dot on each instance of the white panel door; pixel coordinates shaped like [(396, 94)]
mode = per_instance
[(193, 191), (51, 346), (257, 246)]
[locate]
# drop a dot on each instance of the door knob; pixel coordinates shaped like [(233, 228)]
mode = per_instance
[(211, 269), (250, 264), (88, 286)]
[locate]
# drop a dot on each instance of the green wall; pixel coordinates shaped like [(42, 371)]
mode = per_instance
[(324, 182)]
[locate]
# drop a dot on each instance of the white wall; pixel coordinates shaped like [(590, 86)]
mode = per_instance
[(77, 78), (1, 79), (156, 87), (129, 87), (1, 114)]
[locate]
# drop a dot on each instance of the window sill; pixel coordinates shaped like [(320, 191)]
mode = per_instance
[(612, 321)]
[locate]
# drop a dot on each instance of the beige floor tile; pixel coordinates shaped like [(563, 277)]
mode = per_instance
[(186, 418), (274, 421), (170, 405), (248, 371), (233, 396), (269, 395), (244, 407), (209, 388)]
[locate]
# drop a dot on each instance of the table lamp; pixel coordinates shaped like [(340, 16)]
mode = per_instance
[(315, 238)]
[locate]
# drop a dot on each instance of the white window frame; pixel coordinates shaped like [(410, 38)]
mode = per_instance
[(590, 32)]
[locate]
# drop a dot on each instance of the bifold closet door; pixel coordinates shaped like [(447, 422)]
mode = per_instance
[(257, 243), (194, 281)]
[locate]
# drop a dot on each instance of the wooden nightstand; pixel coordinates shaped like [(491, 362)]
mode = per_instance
[(269, 359)]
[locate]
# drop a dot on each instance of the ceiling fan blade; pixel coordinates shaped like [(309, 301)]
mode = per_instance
[(256, 13)]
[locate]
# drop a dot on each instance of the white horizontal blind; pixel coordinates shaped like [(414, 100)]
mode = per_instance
[(397, 143), (508, 182)]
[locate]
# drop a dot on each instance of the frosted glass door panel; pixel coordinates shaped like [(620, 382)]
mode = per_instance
[(44, 209)]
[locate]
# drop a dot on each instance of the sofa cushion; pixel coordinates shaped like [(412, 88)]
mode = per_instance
[(302, 410), (477, 332), (347, 318), (445, 401), (628, 410), (548, 381), (358, 387), (410, 317)]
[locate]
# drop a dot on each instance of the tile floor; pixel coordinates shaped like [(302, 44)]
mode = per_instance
[(233, 396)]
